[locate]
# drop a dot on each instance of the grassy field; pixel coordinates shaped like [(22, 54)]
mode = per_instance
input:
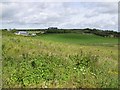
[(59, 61), (81, 39)]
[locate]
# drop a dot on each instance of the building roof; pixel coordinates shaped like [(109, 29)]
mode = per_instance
[(52, 28), (22, 32)]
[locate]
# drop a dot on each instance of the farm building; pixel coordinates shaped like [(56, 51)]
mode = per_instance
[(52, 28), (33, 34), (22, 33)]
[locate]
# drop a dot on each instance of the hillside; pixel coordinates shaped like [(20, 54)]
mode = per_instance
[(59, 61)]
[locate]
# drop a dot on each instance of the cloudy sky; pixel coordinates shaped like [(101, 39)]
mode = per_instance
[(101, 15)]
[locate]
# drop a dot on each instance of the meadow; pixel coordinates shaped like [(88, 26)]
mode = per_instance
[(59, 61), (80, 39)]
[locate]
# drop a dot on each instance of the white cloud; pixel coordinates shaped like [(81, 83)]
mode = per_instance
[(60, 1), (61, 14)]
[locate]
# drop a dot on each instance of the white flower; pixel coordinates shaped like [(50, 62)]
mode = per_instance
[(45, 86), (83, 73), (93, 74), (74, 68)]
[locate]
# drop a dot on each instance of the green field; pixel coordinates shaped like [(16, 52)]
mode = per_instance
[(59, 61), (81, 39)]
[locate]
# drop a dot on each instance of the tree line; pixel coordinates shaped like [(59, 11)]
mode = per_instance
[(103, 33)]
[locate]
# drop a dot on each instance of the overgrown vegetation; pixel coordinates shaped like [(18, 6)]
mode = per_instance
[(35, 62)]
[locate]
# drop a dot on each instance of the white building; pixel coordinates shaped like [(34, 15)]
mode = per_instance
[(22, 33), (33, 34)]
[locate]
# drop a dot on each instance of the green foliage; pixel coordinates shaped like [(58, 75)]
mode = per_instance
[(105, 33), (6, 33), (35, 62)]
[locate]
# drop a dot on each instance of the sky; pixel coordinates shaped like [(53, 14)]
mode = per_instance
[(100, 15)]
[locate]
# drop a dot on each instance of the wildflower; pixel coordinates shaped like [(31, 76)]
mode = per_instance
[(45, 86), (93, 74), (74, 68), (83, 73)]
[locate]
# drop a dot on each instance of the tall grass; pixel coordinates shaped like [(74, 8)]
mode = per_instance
[(34, 63), (0, 59)]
